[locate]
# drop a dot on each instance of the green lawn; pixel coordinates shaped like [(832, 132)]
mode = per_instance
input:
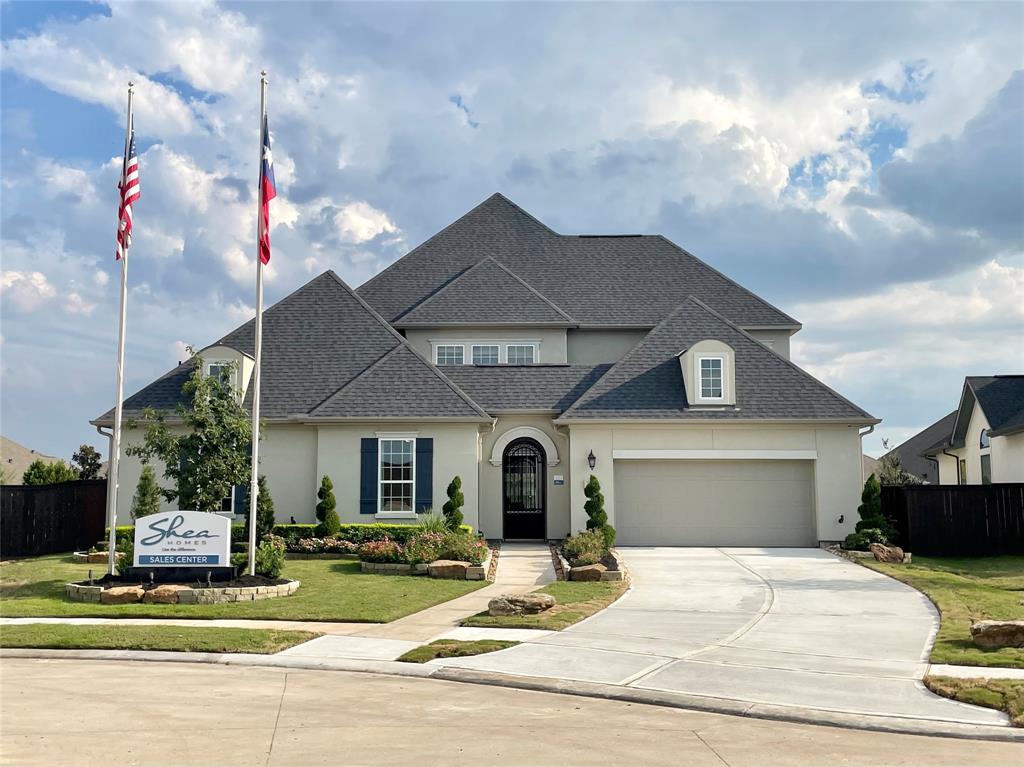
[(967, 590), (332, 590), (1003, 694), (177, 638), (574, 602), (453, 648)]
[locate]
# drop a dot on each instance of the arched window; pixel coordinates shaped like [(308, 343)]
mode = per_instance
[(985, 441)]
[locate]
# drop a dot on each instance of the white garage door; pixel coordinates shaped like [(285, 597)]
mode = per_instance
[(714, 503)]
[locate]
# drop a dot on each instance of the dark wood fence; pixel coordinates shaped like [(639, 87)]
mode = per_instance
[(48, 519), (958, 520)]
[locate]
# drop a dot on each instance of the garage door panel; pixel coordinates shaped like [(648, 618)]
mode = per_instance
[(714, 503)]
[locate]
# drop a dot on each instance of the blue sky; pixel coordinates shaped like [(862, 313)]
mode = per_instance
[(860, 166)]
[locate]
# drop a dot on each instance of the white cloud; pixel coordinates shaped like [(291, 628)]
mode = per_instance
[(75, 304), (359, 222), (26, 291)]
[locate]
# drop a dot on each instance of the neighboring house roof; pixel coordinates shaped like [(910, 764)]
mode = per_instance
[(504, 388), (317, 342), (912, 452), (611, 281), (870, 465), (648, 384), (1001, 399), (485, 294), (15, 458)]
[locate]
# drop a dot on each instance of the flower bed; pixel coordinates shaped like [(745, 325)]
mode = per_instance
[(423, 553)]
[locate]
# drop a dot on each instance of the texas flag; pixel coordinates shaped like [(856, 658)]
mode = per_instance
[(268, 191)]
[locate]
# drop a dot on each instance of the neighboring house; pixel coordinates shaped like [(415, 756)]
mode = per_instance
[(524, 361), (985, 442), (911, 451), (15, 459), (869, 466)]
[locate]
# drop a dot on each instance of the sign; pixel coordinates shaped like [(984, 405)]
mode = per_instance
[(559, 479), (183, 539)]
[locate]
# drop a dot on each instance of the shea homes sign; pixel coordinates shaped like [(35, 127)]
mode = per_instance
[(183, 539)]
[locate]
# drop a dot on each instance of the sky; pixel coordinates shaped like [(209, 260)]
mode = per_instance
[(861, 166)]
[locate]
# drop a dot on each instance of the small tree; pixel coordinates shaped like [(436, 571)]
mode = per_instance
[(88, 461), (264, 511), (146, 500), (453, 506), (325, 513), (39, 472), (870, 509), (213, 455), (891, 471), (597, 518)]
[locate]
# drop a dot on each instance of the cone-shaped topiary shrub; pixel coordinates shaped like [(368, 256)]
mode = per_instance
[(325, 513), (453, 506)]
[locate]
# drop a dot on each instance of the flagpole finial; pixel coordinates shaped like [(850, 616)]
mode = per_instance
[(263, 74), (131, 84)]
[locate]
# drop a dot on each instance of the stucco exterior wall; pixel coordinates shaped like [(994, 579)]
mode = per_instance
[(491, 521), (593, 347), (776, 340), (456, 450), (1008, 458), (837, 471), (550, 341)]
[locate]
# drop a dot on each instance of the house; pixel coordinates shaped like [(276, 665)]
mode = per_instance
[(984, 441), (911, 451), (524, 361)]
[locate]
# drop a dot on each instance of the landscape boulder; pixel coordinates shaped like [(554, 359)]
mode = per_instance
[(520, 604), (121, 595), (448, 568), (891, 554), (998, 633), (587, 572), (165, 594)]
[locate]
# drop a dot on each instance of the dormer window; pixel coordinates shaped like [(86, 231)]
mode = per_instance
[(711, 376), (220, 369)]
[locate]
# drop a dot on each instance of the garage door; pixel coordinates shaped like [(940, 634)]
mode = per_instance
[(714, 503)]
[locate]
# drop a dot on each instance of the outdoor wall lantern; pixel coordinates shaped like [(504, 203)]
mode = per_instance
[(592, 459)]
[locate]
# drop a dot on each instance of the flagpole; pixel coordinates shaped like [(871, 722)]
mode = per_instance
[(115, 442), (254, 483)]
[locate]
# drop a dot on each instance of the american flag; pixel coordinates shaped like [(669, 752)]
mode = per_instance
[(268, 191), (129, 186)]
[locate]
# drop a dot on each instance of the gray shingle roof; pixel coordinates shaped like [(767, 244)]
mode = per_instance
[(525, 387), (647, 383), (911, 452), (485, 294), (612, 281), (1002, 401), (315, 341)]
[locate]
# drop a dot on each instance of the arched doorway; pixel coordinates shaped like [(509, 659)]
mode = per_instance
[(524, 502)]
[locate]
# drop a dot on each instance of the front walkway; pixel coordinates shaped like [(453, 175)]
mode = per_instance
[(785, 627)]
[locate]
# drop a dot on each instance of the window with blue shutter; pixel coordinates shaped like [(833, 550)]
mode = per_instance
[(424, 474), (368, 468)]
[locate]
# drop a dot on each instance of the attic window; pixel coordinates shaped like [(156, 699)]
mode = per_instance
[(520, 354), (710, 370), (985, 441), (220, 369), (450, 354)]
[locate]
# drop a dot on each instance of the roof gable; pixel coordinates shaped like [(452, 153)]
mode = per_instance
[(928, 441), (485, 294), (1001, 399), (647, 383), (615, 281)]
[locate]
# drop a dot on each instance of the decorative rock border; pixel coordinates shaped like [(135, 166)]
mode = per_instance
[(473, 572), (175, 594)]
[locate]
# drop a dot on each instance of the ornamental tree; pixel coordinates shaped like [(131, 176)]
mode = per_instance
[(453, 506), (213, 455), (264, 511), (40, 472), (325, 513), (597, 518), (88, 462), (146, 500)]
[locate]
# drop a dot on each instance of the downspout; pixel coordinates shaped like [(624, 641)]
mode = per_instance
[(956, 462), (110, 443), (862, 435)]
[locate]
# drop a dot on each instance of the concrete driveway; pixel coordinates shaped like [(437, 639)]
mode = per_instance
[(787, 627)]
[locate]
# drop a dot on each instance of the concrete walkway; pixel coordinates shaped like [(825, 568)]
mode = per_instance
[(786, 627), (521, 567)]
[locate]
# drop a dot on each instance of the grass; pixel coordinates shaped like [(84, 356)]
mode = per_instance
[(178, 638), (332, 590), (453, 648), (966, 590), (574, 602), (1002, 694)]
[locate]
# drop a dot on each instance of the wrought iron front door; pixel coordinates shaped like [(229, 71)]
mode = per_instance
[(523, 502)]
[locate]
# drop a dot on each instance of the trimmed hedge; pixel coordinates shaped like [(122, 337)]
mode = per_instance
[(356, 533)]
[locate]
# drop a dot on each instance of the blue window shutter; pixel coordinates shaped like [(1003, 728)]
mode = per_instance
[(368, 476), (424, 474)]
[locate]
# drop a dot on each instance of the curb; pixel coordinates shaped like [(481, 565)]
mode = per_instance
[(791, 714)]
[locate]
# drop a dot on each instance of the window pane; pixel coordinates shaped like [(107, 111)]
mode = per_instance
[(396, 496), (711, 377), (449, 355), (485, 355), (986, 470), (396, 474), (520, 354)]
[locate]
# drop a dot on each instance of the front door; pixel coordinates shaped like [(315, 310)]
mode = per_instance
[(523, 499)]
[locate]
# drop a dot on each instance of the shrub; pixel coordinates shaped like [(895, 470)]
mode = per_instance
[(384, 550), (127, 547), (870, 510), (586, 548), (320, 546), (597, 518), (146, 500), (425, 547), (463, 548), (453, 506), (432, 523), (40, 472), (860, 541), (325, 513), (270, 556), (339, 546), (264, 512)]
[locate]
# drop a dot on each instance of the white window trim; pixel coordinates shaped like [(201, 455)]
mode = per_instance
[(219, 363), (536, 352), (700, 383), (381, 513), (501, 343), (475, 346), (438, 347)]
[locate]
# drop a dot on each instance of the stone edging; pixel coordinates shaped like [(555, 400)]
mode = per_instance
[(473, 572), (185, 595)]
